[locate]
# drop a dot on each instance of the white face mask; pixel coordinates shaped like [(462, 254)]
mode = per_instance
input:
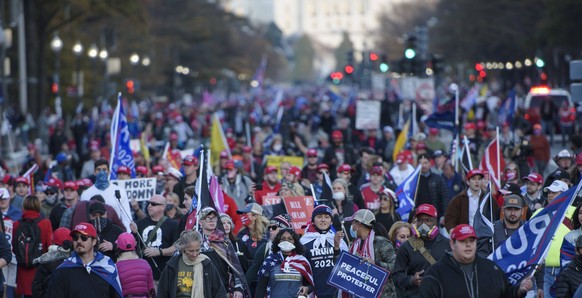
[(338, 196), (277, 147), (286, 246)]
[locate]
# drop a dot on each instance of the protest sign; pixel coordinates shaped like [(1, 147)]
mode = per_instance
[(140, 189), (356, 277), (275, 161), (299, 208), (368, 114)]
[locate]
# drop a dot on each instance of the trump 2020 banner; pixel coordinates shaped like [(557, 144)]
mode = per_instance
[(356, 277), (528, 247), (121, 154)]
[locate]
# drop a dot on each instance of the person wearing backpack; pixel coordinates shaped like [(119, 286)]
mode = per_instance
[(31, 238)]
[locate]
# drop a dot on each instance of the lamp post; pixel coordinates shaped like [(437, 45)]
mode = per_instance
[(56, 46), (78, 50), (92, 53), (103, 54)]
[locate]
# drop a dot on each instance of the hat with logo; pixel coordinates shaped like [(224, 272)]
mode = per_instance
[(270, 169), (557, 186), (20, 180), (337, 135), (55, 184), (513, 201), (470, 125), (71, 185), (125, 241), (206, 211), (376, 170), (4, 193), (252, 208), (321, 209), (322, 166), (295, 170), (564, 154), (462, 232), (344, 168), (229, 165), (534, 177), (190, 160), (158, 170), (474, 172), (311, 152), (141, 170), (427, 209), (224, 154), (86, 229), (364, 216), (174, 173), (123, 170)]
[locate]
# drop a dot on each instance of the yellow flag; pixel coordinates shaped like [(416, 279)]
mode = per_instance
[(401, 140), (217, 140)]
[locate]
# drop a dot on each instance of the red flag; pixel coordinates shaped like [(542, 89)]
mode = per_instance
[(489, 162)]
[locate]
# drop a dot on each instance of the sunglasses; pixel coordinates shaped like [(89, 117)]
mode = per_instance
[(156, 204), (273, 227), (77, 236)]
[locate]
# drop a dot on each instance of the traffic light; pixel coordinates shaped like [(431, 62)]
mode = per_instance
[(384, 63), (55, 88), (373, 56), (348, 69), (130, 86), (336, 77), (410, 50)]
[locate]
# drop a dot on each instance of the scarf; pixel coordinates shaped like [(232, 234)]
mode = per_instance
[(295, 261), (102, 265), (364, 248), (198, 269), (320, 239)]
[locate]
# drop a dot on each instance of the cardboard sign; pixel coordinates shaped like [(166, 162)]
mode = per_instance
[(356, 277), (300, 209), (275, 161), (368, 114), (140, 189), (271, 200)]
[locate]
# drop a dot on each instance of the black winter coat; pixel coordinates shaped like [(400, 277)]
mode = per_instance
[(447, 279), (168, 285), (570, 278), (409, 261)]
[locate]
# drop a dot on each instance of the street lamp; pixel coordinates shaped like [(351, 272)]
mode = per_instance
[(145, 61), (78, 50), (103, 54), (134, 59), (56, 46), (93, 52)]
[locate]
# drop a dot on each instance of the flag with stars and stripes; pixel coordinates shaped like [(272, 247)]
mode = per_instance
[(294, 261)]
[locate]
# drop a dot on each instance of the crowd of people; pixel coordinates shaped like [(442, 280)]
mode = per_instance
[(69, 228)]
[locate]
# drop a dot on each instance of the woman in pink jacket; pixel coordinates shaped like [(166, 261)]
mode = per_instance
[(135, 274)]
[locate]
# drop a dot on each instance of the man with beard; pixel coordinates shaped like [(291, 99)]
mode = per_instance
[(109, 191), (106, 230), (70, 197), (533, 198), (222, 254), (420, 252), (86, 273)]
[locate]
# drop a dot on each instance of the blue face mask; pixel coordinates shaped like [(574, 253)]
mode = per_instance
[(353, 233), (101, 180)]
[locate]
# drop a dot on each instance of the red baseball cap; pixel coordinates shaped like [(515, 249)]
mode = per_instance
[(311, 153), (229, 164), (420, 146), (71, 184), (462, 232), (295, 171), (6, 179), (20, 180), (247, 149), (337, 135), (270, 169), (474, 172), (534, 177), (86, 229), (54, 182), (123, 170), (376, 170), (190, 160), (60, 235), (344, 168), (427, 209), (85, 182), (142, 170), (470, 125), (224, 154), (158, 170), (322, 166), (433, 131), (579, 159)]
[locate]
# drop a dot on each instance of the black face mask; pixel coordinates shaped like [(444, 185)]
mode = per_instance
[(100, 223), (169, 207)]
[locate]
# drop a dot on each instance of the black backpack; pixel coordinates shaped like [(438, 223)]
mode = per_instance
[(28, 245)]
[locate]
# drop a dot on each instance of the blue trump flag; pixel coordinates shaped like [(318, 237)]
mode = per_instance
[(121, 154), (528, 247), (405, 194), (444, 120)]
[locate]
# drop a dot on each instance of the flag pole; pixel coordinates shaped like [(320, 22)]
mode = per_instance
[(491, 214), (455, 88), (199, 188), (498, 155), (113, 137), (466, 142), (248, 132), (416, 188)]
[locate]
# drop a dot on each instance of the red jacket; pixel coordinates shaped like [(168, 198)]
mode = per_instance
[(25, 276), (230, 209)]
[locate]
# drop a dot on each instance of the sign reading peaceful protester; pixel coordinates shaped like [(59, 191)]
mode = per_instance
[(356, 277), (140, 189), (300, 209)]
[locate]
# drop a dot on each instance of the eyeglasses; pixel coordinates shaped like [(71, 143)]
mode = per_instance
[(273, 227), (77, 236), (155, 204), (214, 218)]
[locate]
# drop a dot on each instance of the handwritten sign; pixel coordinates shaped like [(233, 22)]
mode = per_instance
[(300, 209), (140, 189), (354, 276)]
